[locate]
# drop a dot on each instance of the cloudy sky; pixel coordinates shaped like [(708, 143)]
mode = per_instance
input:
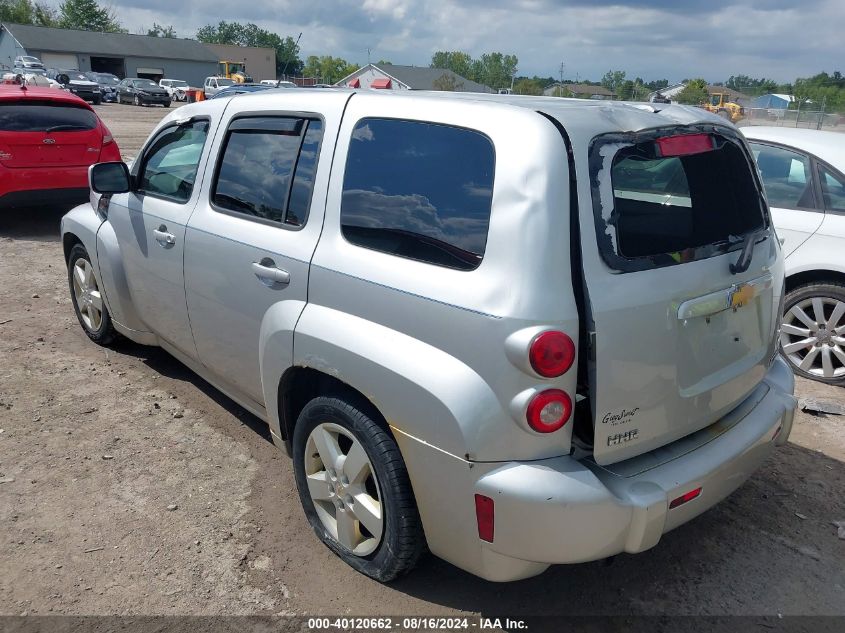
[(653, 39)]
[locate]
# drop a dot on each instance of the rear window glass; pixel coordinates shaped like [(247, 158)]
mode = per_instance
[(419, 190), (673, 209), (40, 117)]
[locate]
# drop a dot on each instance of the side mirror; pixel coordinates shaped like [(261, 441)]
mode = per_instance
[(108, 178)]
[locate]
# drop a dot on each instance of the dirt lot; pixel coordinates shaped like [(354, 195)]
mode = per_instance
[(97, 447)]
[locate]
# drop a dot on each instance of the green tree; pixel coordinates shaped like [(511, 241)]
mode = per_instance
[(88, 15), (495, 70), (161, 31), (526, 86), (613, 80), (328, 69), (287, 50), (447, 83), (694, 93), (458, 62), (27, 12)]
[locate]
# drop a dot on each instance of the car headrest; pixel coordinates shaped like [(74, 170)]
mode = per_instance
[(773, 164)]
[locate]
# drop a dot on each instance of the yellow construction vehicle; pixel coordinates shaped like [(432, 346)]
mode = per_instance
[(236, 71), (720, 103)]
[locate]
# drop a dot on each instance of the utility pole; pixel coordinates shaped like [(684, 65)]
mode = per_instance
[(560, 83), (287, 61), (368, 56)]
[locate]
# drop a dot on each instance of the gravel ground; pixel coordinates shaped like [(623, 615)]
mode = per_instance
[(130, 486)]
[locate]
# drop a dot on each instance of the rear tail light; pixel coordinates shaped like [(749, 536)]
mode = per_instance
[(549, 410), (684, 145), (687, 496), (107, 138), (484, 516), (551, 354)]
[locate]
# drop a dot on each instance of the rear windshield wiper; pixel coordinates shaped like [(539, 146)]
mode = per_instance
[(66, 127), (744, 261)]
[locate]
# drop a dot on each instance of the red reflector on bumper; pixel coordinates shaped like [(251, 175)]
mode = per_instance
[(688, 496), (484, 516), (684, 144)]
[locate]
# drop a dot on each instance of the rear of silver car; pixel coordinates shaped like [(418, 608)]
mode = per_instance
[(681, 394)]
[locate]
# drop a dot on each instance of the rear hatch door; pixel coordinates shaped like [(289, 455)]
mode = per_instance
[(48, 134), (678, 336)]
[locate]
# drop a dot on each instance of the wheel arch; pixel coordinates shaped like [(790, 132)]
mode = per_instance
[(813, 276), (299, 385)]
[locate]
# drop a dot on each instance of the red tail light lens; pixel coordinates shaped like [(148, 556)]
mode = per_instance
[(108, 138), (684, 145), (551, 354), (484, 516), (687, 496), (549, 410)]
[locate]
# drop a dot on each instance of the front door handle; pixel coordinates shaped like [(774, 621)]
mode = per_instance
[(267, 271), (164, 238)]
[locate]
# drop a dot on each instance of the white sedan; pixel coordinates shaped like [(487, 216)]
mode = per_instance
[(803, 172)]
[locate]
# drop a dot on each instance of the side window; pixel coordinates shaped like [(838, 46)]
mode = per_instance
[(833, 189), (786, 177), (267, 168), (419, 190), (170, 163)]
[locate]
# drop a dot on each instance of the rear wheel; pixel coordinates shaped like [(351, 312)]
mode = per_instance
[(354, 489), (87, 298), (812, 335), (724, 114)]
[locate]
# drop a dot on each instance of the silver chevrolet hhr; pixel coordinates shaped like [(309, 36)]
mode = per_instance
[(522, 331)]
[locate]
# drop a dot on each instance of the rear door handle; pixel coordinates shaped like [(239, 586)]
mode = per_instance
[(267, 271), (163, 237)]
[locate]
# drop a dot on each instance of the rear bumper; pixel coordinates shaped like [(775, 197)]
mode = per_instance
[(565, 511), (43, 185)]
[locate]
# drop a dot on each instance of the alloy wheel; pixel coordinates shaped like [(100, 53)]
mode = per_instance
[(343, 487), (87, 294), (813, 336)]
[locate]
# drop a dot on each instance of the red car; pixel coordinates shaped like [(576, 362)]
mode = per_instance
[(48, 139)]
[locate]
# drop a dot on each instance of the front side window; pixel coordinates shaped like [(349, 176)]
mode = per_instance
[(671, 199), (419, 190), (786, 177), (833, 190), (169, 168), (267, 168)]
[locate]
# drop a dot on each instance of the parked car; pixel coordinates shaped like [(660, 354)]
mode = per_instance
[(77, 83), (176, 88), (108, 84), (142, 92), (803, 172), (239, 89), (48, 139), (213, 85), (276, 83), (27, 62), (520, 331)]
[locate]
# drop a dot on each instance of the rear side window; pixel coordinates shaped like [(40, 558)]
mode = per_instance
[(267, 168), (833, 189), (658, 207), (419, 190), (45, 116), (786, 177)]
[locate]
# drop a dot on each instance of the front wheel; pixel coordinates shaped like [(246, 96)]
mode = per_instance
[(137, 100), (812, 335), (87, 298), (355, 490)]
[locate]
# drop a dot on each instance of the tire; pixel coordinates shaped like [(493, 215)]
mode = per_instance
[(812, 338), (166, 105), (724, 114), (345, 429), (98, 100), (85, 290), (137, 101)]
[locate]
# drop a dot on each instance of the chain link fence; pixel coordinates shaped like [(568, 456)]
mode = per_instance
[(804, 118)]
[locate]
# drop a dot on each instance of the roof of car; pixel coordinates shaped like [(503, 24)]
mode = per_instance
[(828, 146), (10, 92)]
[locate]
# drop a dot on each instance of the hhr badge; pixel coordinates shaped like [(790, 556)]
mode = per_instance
[(621, 438)]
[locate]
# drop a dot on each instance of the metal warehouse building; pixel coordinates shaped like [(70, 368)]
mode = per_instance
[(122, 54)]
